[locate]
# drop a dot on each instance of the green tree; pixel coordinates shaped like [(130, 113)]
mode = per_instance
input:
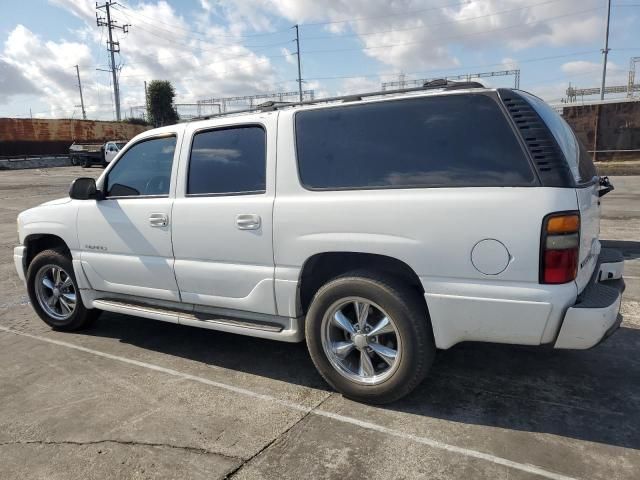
[(160, 95), (136, 121)]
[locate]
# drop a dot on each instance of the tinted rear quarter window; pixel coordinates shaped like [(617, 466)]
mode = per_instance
[(575, 153), (449, 140), (228, 160)]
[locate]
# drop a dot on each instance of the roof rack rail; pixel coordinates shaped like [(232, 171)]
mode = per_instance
[(271, 106)]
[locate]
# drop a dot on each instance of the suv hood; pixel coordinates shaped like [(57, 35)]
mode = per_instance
[(57, 201)]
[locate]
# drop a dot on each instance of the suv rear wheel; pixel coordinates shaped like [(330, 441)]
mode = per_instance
[(54, 292), (369, 337)]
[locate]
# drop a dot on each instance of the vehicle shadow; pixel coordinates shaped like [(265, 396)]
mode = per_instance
[(591, 395)]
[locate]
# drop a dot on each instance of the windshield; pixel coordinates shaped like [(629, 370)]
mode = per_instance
[(119, 145)]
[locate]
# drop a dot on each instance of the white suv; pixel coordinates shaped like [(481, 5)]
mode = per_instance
[(378, 228)]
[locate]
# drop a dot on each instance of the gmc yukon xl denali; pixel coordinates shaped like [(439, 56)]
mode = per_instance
[(378, 228)]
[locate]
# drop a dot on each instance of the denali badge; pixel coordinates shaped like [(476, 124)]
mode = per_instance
[(96, 247)]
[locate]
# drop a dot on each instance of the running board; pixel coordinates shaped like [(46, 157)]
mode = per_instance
[(190, 315)]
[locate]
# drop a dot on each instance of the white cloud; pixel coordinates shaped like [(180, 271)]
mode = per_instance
[(202, 59), (352, 86), (419, 34), (49, 66), (580, 66), (288, 56), (13, 82)]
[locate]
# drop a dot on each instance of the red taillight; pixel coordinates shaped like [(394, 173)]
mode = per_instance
[(560, 266), (560, 248)]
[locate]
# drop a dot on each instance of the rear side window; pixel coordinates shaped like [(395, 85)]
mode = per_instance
[(444, 141), (579, 161), (227, 161), (144, 169)]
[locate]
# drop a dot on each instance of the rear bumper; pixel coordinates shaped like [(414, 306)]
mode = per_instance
[(595, 315), (19, 254)]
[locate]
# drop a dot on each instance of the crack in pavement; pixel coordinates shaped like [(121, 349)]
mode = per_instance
[(187, 448), (237, 469)]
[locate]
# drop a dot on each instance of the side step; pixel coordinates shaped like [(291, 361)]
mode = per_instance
[(190, 315)]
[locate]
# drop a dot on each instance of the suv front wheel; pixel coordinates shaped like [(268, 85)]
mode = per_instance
[(54, 292), (370, 337)]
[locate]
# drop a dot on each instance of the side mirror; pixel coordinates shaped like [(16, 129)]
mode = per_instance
[(84, 188)]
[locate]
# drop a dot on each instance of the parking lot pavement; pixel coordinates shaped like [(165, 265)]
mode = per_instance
[(134, 398)]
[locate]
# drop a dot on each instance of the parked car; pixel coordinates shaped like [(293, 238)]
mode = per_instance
[(87, 154), (378, 228)]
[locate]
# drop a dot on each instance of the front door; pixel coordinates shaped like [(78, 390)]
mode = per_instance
[(222, 217), (126, 237)]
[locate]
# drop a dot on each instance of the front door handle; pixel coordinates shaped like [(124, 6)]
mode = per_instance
[(248, 221), (158, 220)]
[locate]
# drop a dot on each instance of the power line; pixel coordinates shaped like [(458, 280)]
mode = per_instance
[(260, 60), (112, 47), (411, 12), (394, 44), (456, 36), (155, 20), (192, 36), (437, 24), (395, 74)]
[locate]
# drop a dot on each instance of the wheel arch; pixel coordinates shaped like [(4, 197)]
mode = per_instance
[(39, 242), (320, 268)]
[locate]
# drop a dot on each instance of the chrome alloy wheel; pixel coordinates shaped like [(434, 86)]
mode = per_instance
[(56, 292), (361, 341)]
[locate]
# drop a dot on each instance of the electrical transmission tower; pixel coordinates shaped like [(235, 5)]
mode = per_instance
[(402, 81), (112, 47)]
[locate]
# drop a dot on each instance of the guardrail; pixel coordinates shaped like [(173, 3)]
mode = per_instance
[(19, 162)]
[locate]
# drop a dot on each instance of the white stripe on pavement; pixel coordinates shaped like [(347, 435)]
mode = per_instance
[(524, 467)]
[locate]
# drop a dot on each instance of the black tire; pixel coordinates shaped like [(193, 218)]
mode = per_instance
[(81, 316), (410, 317), (86, 163)]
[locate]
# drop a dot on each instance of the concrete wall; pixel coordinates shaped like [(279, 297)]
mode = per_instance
[(609, 126), (24, 136), (36, 162)]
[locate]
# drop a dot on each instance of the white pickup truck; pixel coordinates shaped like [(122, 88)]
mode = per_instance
[(378, 228), (87, 154)]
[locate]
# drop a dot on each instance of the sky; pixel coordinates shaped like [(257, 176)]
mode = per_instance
[(218, 48)]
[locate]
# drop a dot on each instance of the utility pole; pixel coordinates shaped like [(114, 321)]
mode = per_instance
[(298, 55), (112, 47), (605, 51), (84, 114), (146, 101)]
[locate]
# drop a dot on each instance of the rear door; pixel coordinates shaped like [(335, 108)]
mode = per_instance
[(222, 215)]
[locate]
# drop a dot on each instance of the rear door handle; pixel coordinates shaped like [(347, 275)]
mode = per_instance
[(248, 221), (158, 220)]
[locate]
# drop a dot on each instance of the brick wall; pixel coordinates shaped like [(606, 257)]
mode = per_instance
[(24, 136)]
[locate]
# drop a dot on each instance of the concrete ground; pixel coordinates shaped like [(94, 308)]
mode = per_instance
[(134, 398)]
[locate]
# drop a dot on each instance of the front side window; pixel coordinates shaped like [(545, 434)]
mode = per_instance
[(227, 161), (447, 141), (144, 169)]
